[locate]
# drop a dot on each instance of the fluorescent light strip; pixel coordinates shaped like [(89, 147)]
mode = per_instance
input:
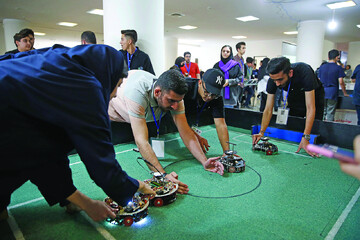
[(247, 18), (67, 24), (291, 33), (188, 27), (96, 11), (239, 37), (341, 4), (358, 26), (39, 33)]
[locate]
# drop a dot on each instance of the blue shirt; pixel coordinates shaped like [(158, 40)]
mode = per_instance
[(329, 75), (356, 92)]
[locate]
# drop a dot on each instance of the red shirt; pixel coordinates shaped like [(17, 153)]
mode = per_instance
[(194, 69)]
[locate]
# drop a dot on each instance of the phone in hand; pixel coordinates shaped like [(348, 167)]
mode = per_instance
[(333, 152)]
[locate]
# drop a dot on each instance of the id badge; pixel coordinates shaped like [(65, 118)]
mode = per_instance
[(282, 116), (158, 145), (198, 131)]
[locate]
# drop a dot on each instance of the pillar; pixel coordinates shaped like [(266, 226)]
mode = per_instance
[(144, 16), (310, 42), (171, 49), (12, 26)]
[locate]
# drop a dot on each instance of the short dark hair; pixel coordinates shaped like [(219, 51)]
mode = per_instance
[(239, 44), (89, 37), (185, 53), (18, 36), (332, 54), (130, 33), (249, 60), (27, 31), (172, 80), (278, 64)]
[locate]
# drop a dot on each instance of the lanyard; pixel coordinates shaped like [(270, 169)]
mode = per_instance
[(130, 57), (188, 68), (287, 95), (157, 125), (242, 69), (199, 112)]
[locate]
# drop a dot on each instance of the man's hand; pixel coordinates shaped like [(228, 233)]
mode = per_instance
[(146, 189), (173, 177), (256, 138), (98, 210), (303, 144), (203, 144), (353, 169), (213, 165), (346, 95)]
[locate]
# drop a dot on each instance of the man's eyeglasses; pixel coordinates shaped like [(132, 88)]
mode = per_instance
[(208, 94)]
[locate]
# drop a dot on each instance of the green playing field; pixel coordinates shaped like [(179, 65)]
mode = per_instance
[(283, 196)]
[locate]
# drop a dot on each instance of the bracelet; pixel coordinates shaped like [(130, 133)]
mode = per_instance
[(164, 174)]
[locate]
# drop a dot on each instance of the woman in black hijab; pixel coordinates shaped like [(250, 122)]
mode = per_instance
[(233, 76), (179, 63)]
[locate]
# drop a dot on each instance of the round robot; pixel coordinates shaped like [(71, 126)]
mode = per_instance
[(134, 211), (265, 146), (165, 190), (231, 162)]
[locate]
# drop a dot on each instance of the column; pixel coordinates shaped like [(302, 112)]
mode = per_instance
[(144, 16), (310, 42), (12, 26), (171, 51)]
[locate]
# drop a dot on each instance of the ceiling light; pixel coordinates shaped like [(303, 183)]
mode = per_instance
[(239, 37), (96, 11), (341, 4), (291, 33), (39, 33), (332, 25), (179, 15), (67, 24), (247, 18), (188, 27), (358, 26)]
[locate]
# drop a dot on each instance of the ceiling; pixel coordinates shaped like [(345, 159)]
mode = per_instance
[(215, 19)]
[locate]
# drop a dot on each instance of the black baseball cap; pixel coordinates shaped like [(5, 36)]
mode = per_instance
[(214, 80)]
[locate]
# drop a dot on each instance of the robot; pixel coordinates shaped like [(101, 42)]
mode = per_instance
[(265, 146), (165, 189), (231, 162), (134, 211)]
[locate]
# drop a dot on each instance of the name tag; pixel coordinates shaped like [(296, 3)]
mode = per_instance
[(282, 116), (198, 131), (158, 145)]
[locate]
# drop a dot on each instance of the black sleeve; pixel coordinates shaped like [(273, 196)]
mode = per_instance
[(235, 72), (217, 108), (271, 87), (148, 66)]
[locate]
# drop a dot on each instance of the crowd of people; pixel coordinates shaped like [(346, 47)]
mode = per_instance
[(57, 99)]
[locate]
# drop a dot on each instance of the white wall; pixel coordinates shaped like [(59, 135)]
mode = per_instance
[(328, 45), (2, 40), (354, 54)]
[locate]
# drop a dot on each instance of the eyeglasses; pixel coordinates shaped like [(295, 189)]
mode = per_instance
[(208, 94)]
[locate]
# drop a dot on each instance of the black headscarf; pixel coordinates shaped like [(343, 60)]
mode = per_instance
[(225, 60), (179, 62), (262, 70)]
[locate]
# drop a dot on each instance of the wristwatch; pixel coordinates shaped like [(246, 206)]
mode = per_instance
[(307, 137)]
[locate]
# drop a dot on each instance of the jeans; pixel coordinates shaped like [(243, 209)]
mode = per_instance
[(358, 113), (329, 109)]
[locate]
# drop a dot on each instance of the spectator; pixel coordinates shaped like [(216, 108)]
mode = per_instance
[(24, 41), (190, 69), (88, 37)]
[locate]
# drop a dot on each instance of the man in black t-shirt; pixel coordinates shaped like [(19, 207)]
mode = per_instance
[(305, 95), (204, 95), (134, 57)]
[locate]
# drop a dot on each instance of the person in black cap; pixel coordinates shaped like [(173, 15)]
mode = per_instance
[(204, 95)]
